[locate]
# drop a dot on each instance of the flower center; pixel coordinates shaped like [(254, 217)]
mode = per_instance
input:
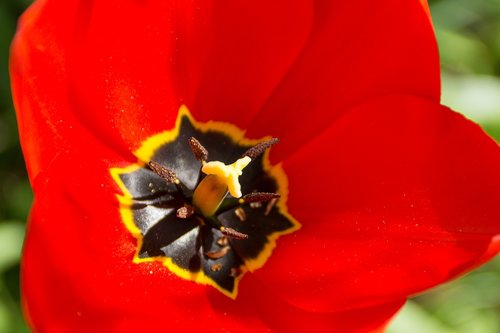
[(212, 191), (207, 221)]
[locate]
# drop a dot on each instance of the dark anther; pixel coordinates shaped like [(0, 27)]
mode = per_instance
[(259, 197), (170, 176), (260, 148), (219, 253), (230, 232), (163, 172), (199, 151), (185, 212)]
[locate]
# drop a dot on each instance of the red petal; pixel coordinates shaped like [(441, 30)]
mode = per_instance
[(73, 75), (357, 50), (121, 69), (256, 301), (237, 53), (78, 274), (395, 197), (77, 269)]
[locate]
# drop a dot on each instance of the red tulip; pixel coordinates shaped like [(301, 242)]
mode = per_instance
[(394, 192)]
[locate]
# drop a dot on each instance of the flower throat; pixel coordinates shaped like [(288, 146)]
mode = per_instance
[(189, 212)]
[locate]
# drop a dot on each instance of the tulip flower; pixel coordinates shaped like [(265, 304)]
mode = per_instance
[(164, 201)]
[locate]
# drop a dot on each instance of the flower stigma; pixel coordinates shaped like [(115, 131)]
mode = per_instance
[(213, 188)]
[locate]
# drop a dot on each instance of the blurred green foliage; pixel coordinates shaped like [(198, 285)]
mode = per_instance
[(15, 192), (468, 33)]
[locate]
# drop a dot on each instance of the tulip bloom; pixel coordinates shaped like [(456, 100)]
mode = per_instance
[(384, 192)]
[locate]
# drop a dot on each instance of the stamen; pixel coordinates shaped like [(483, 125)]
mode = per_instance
[(164, 172), (185, 211), (258, 197), (260, 148), (199, 151), (230, 232), (219, 253)]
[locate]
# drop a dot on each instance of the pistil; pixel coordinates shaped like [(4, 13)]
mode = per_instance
[(209, 194)]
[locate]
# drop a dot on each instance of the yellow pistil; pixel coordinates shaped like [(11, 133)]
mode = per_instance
[(213, 188)]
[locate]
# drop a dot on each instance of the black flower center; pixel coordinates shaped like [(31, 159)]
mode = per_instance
[(166, 198)]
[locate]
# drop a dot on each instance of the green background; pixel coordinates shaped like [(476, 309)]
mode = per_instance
[(468, 33)]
